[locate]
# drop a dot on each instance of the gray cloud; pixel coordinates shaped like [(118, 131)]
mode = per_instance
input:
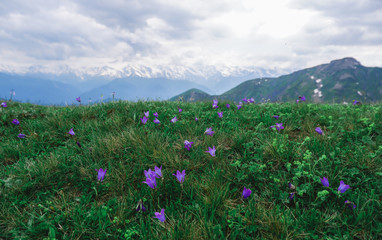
[(88, 33)]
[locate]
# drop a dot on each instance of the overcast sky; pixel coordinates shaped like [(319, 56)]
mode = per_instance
[(275, 33)]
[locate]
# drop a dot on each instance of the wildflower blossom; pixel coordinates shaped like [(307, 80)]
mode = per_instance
[(350, 205), (220, 114), (101, 174), (245, 100), (302, 98), (278, 126), (211, 151), (238, 107), (144, 120), (160, 215), (180, 110), (291, 186), (215, 104), (4, 104), (71, 132), (79, 144), (325, 181), (147, 114), (21, 135), (150, 173), (180, 176), (151, 182), (188, 145), (276, 116), (291, 195), (140, 206), (158, 171), (156, 121), (246, 192), (174, 120), (343, 187), (209, 131), (78, 99), (196, 119), (15, 121), (318, 130), (155, 114), (251, 100), (227, 105)]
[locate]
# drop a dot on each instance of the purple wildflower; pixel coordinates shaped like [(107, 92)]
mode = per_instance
[(279, 126), (291, 186), (211, 151), (227, 105), (147, 114), (209, 131), (156, 121), (15, 121), (155, 114), (246, 192), (238, 107), (4, 104), (196, 119), (215, 104), (144, 120), (276, 116), (343, 187), (140, 206), (180, 176), (71, 132), (150, 173), (160, 215), (180, 110), (325, 181), (151, 182), (291, 195), (101, 174), (245, 100), (251, 100), (21, 135), (79, 144), (297, 101), (174, 120), (302, 98), (158, 171), (78, 99), (355, 102), (188, 145), (318, 130), (350, 205), (220, 114)]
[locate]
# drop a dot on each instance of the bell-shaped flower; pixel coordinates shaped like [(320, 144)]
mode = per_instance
[(78, 99), (180, 176), (160, 215), (155, 114), (220, 114), (209, 131), (156, 121), (325, 181), (147, 114), (15, 121), (71, 132), (302, 98), (188, 145), (158, 171), (318, 130), (227, 105), (144, 120), (276, 116), (246, 192), (211, 151), (21, 135), (180, 110), (140, 206), (196, 119), (101, 174), (4, 104), (350, 205), (343, 187), (150, 173), (174, 120), (151, 182)]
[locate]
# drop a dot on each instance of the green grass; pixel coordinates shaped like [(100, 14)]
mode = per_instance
[(49, 187)]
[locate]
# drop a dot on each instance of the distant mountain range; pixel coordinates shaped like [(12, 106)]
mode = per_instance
[(61, 86), (339, 81)]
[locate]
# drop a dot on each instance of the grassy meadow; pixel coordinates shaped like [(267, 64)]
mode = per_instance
[(49, 187)]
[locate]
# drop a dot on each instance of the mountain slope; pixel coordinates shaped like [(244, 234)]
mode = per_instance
[(339, 81)]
